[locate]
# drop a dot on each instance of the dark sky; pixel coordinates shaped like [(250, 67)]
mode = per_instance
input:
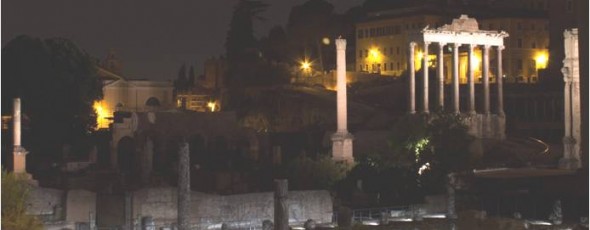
[(151, 37)]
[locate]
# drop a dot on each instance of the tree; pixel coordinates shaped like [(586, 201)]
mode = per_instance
[(57, 84), (180, 84), (322, 173), (15, 193), (274, 47), (308, 24), (191, 76), (240, 42), (431, 146)]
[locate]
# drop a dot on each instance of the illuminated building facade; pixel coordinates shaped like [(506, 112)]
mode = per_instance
[(120, 94), (382, 38), (204, 95)]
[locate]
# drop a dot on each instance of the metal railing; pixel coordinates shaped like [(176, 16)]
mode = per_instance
[(360, 215)]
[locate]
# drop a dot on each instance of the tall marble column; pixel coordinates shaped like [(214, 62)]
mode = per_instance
[(470, 79), (411, 80), (341, 139), (441, 81), (499, 81), (456, 78), (572, 106), (425, 80), (486, 79), (19, 153)]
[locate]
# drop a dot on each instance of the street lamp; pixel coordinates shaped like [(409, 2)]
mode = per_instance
[(305, 67), (375, 58)]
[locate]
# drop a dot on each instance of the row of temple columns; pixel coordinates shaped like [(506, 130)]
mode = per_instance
[(455, 79)]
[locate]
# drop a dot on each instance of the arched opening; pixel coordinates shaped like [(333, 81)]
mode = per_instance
[(219, 154), (152, 102), (197, 149), (126, 155)]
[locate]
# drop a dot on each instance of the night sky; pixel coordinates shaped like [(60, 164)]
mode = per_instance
[(152, 38)]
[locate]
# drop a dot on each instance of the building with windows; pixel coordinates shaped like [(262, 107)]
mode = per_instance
[(126, 95), (206, 93), (382, 37)]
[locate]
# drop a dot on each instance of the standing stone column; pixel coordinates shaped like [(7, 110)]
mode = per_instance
[(341, 85), (411, 80), (456, 78), (499, 80), (441, 80), (184, 187), (572, 109), (341, 139), (19, 153), (486, 79), (470, 79), (281, 206), (451, 212), (425, 81)]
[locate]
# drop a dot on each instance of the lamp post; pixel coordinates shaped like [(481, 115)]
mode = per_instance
[(305, 67)]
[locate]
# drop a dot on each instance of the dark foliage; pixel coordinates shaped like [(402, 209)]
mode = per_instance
[(57, 84)]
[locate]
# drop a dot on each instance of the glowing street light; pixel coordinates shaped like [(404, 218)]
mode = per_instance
[(305, 66), (102, 115), (541, 60), (212, 105)]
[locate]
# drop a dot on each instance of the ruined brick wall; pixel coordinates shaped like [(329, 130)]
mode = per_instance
[(236, 211)]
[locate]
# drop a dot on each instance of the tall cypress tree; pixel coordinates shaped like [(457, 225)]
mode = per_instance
[(191, 77), (180, 83)]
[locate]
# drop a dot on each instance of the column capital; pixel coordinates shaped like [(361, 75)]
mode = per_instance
[(471, 46), (457, 45), (412, 44), (487, 47), (427, 43), (501, 47), (441, 44), (340, 44)]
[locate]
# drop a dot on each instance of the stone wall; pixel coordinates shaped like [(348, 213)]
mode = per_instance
[(79, 205), (45, 201), (59, 209), (236, 211)]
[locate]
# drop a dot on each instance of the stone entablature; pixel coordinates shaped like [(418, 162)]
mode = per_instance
[(463, 31)]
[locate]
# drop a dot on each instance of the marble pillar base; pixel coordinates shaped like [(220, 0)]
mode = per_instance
[(20, 165), (342, 147), (571, 155)]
